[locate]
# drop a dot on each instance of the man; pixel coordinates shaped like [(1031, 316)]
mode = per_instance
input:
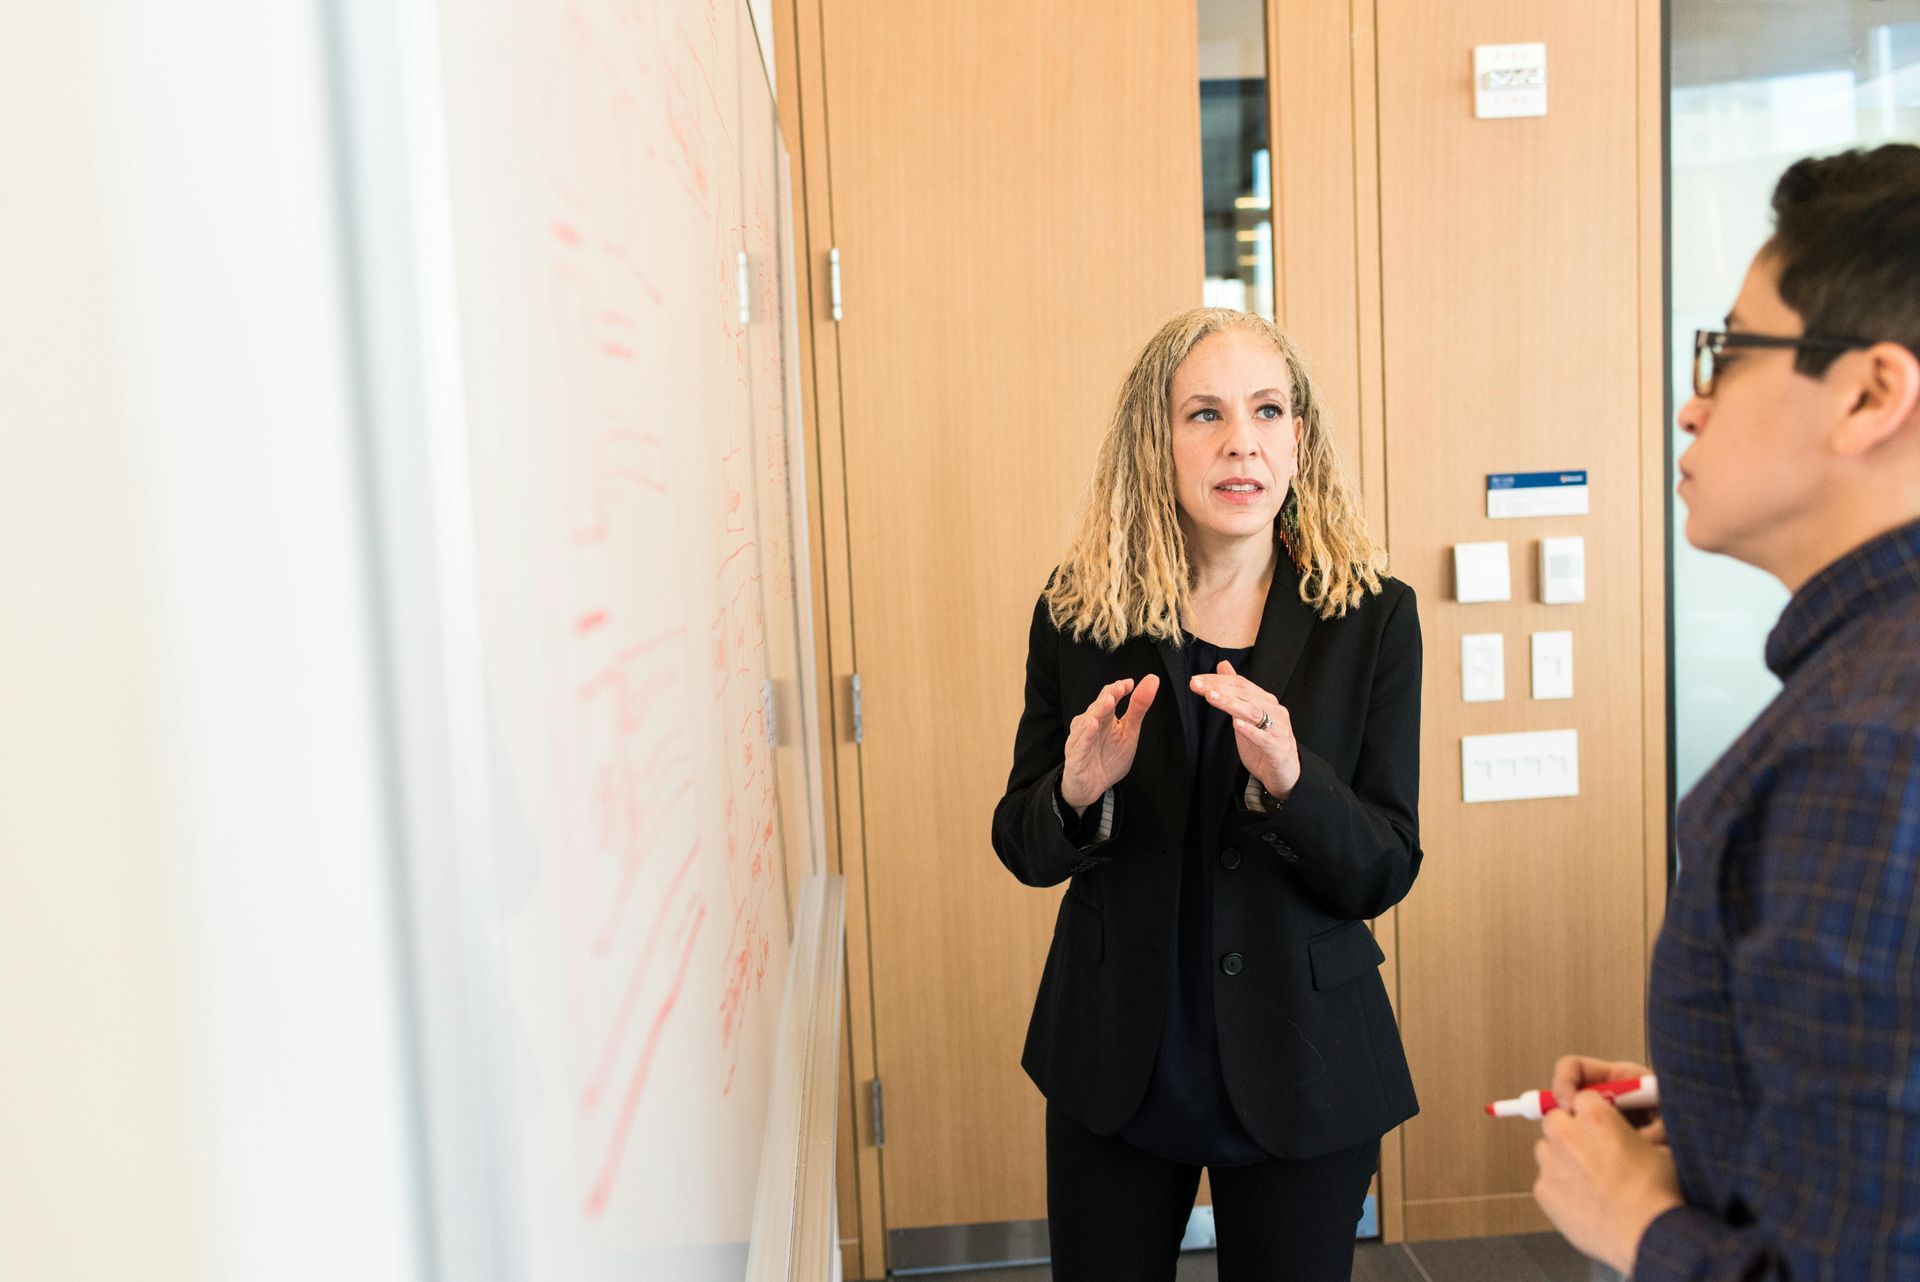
[(1784, 1007)]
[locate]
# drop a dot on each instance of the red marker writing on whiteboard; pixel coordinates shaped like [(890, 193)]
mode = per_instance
[(1633, 1092)]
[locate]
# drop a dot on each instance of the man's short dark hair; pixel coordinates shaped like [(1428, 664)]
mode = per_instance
[(1847, 242)]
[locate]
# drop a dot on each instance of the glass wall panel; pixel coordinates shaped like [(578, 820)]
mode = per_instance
[(1755, 86), (1235, 171)]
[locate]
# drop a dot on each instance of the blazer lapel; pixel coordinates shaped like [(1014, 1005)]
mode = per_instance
[(1285, 625)]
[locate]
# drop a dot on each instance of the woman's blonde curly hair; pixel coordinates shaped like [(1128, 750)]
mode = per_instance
[(1126, 573)]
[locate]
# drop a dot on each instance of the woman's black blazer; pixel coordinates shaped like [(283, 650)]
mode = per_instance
[(1311, 1055)]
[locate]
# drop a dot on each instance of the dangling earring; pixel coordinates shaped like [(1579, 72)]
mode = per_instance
[(1290, 529)]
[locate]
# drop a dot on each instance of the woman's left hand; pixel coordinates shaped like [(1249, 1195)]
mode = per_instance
[(1270, 754)]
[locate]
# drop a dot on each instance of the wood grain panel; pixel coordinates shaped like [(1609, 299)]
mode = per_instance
[(802, 92), (1369, 387), (1364, 58), (1326, 234), (1511, 270), (1016, 223), (1315, 203), (1655, 478), (1494, 1216)]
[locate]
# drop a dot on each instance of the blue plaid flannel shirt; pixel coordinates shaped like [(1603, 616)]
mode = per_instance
[(1784, 1008)]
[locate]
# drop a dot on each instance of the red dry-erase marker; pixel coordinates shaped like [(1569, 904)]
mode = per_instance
[(1633, 1092)]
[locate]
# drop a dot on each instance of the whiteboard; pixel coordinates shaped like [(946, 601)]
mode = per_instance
[(619, 645)]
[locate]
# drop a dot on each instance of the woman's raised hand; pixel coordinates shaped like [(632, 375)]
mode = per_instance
[(1100, 746), (1262, 730)]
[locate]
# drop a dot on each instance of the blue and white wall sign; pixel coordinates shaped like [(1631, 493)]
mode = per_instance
[(1515, 494)]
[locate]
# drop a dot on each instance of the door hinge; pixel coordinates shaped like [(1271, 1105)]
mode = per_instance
[(771, 707), (879, 1116), (859, 721), (833, 281), (744, 279)]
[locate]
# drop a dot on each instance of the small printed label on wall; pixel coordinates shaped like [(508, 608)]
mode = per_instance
[(1518, 494)]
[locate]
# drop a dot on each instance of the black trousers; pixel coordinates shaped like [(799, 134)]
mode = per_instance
[(1117, 1213)]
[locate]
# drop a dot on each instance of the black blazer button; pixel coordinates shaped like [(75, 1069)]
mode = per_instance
[(1233, 963), (1230, 858)]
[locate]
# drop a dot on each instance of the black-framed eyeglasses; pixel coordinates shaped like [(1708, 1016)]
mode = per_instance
[(1711, 345)]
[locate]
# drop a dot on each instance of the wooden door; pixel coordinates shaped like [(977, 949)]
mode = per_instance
[(1016, 195)]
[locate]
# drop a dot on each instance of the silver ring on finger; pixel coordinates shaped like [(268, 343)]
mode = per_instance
[(1266, 719)]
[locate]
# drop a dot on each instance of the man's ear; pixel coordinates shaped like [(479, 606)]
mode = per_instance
[(1885, 391)]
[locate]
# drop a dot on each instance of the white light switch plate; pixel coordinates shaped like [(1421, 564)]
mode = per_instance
[(1563, 570), (1553, 665), (1483, 667), (1481, 572), (1509, 81), (1520, 767)]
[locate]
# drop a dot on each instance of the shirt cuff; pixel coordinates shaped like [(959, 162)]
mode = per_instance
[(1678, 1245), (1090, 828), (1256, 797)]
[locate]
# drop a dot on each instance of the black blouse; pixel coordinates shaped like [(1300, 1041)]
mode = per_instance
[(1186, 1115)]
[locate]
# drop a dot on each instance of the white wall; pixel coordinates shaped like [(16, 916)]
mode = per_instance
[(98, 1174), (203, 1071)]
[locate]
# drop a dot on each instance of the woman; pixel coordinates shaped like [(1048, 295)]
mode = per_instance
[(1220, 755)]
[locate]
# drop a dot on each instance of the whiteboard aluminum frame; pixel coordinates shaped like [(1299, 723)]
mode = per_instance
[(795, 1223), (799, 518)]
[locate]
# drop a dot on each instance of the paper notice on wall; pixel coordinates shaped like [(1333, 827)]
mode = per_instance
[(1518, 494)]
